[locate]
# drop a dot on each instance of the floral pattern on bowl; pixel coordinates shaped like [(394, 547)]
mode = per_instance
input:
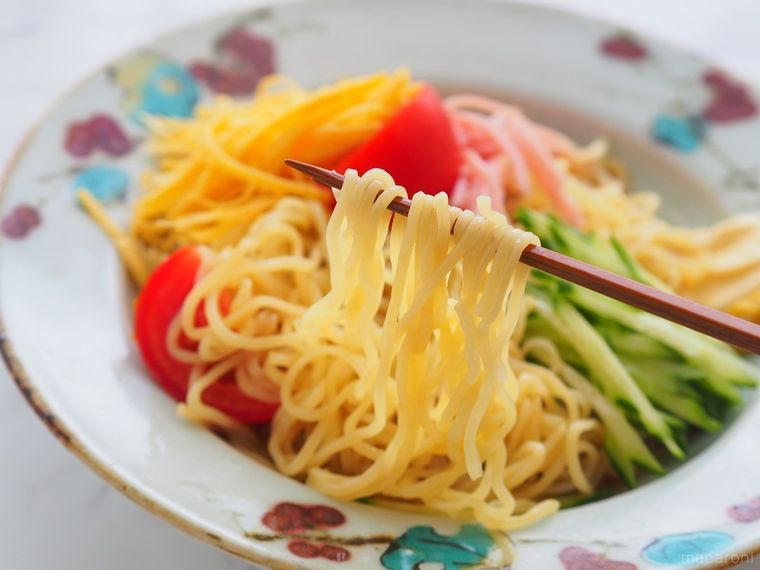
[(579, 558), (241, 59), (155, 85), (20, 221), (96, 133)]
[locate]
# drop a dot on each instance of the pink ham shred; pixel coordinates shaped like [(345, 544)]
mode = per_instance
[(503, 151)]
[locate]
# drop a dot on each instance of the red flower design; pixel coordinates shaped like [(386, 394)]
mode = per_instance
[(334, 553), (731, 100), (253, 49), (748, 511), (243, 59), (305, 549), (20, 221), (292, 517), (622, 46), (99, 132), (578, 558)]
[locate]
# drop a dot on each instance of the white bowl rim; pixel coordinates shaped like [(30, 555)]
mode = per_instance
[(71, 442)]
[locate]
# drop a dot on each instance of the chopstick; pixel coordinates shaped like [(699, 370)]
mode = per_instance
[(712, 322)]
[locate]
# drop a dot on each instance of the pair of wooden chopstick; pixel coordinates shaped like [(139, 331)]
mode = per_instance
[(717, 324)]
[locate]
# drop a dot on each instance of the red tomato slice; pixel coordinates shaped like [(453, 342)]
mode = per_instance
[(225, 395), (417, 147), (160, 300)]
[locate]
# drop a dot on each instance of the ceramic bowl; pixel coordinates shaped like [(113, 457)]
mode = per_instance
[(686, 129)]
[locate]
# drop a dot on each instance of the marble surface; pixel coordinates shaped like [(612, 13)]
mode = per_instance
[(54, 512)]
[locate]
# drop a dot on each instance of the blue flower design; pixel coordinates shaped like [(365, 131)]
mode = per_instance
[(106, 183), (683, 134), (170, 90), (684, 550), (154, 85)]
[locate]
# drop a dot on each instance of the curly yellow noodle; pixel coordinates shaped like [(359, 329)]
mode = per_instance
[(426, 401), (262, 272)]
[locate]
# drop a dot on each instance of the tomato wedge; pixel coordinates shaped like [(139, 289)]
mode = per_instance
[(159, 301), (417, 147)]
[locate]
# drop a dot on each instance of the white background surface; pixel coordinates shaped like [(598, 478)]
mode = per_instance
[(54, 512)]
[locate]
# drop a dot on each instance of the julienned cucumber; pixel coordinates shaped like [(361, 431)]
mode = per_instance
[(723, 368), (656, 373), (606, 370)]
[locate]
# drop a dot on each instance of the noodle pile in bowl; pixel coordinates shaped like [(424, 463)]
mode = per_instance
[(402, 353), (348, 361)]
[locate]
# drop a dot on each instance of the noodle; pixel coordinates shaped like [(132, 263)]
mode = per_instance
[(496, 439), (270, 278)]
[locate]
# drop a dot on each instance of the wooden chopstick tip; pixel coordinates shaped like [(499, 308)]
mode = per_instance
[(297, 164), (317, 173)]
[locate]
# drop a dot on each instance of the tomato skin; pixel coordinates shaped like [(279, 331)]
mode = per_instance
[(417, 147), (224, 395), (159, 301)]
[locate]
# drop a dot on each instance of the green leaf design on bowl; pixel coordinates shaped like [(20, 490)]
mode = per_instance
[(470, 546)]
